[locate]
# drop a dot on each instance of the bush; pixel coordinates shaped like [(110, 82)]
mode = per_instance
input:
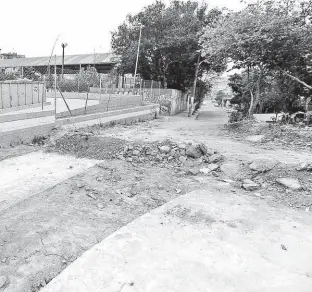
[(235, 117)]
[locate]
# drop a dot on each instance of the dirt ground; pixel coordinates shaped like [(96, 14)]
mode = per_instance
[(48, 230)]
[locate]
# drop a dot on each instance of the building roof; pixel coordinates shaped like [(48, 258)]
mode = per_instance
[(83, 59)]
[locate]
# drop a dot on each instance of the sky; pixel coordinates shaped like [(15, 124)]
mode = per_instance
[(32, 27)]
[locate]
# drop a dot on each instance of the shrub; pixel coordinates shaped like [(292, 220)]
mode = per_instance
[(235, 117)]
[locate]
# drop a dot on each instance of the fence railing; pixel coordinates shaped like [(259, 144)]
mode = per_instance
[(17, 93), (73, 91)]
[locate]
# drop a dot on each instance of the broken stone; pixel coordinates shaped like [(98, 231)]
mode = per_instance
[(133, 193), (290, 183), (99, 178), (205, 170), (100, 206), (250, 185), (193, 171), (255, 139), (178, 191), (213, 167), (92, 196), (136, 153), (203, 148), (164, 149), (129, 159), (263, 165), (3, 281), (229, 181), (215, 158), (182, 159), (304, 166), (231, 170), (80, 185), (194, 152)]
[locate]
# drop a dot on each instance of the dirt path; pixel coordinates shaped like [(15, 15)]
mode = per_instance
[(206, 129), (46, 229)]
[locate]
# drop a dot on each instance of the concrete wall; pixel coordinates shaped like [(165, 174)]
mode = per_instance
[(171, 101), (15, 94), (106, 104)]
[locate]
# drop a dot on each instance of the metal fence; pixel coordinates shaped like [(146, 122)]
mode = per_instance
[(18, 93), (74, 92)]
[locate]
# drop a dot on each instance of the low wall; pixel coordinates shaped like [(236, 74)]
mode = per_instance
[(171, 101), (106, 104), (17, 94)]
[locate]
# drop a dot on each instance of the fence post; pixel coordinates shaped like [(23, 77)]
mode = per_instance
[(1, 97), (159, 90), (44, 91), (140, 86), (38, 92), (55, 86), (17, 91), (25, 93), (32, 92), (100, 88), (10, 96)]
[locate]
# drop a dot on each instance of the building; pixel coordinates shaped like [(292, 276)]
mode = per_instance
[(103, 63), (7, 56)]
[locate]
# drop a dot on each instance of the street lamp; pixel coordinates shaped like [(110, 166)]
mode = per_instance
[(64, 45), (138, 52)]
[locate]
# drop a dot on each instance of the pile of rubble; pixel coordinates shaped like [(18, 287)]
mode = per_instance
[(170, 152)]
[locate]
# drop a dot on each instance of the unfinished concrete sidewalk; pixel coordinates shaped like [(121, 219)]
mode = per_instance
[(208, 240)]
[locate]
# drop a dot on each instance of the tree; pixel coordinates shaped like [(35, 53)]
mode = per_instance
[(170, 43), (267, 39)]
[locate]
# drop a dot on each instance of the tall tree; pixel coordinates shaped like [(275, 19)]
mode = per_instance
[(268, 37), (170, 42)]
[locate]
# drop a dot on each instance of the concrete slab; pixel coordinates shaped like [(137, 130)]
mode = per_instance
[(27, 175), (209, 240), (23, 124), (117, 116)]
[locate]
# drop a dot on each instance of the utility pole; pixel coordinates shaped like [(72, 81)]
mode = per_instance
[(64, 45), (138, 52), (198, 63)]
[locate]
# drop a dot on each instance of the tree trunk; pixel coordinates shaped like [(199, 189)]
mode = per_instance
[(250, 111), (165, 84), (194, 85), (308, 100), (256, 98), (298, 80)]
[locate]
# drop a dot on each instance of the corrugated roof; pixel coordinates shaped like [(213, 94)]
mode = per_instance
[(100, 58)]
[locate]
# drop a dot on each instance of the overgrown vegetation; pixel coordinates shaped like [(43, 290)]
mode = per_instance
[(170, 50), (270, 42)]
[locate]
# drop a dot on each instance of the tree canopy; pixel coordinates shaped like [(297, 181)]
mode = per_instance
[(271, 41), (170, 45)]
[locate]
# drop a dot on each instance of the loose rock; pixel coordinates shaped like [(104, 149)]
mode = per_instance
[(165, 149), (213, 167), (205, 170), (263, 165), (136, 153), (215, 158), (231, 170), (194, 152), (304, 166), (193, 171), (290, 183), (250, 185), (92, 196), (3, 281)]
